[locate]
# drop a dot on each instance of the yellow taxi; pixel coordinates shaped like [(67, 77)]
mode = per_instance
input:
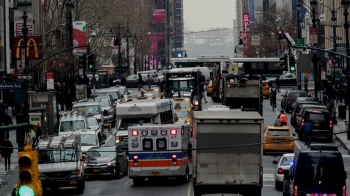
[(265, 89), (210, 88), (155, 91), (182, 103), (278, 139), (183, 115)]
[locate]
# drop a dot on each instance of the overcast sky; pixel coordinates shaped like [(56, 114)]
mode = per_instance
[(205, 14)]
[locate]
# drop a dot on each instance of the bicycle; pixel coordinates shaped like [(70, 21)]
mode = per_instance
[(273, 104)]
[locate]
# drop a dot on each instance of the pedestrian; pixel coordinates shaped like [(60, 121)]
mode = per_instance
[(140, 82), (9, 111), (307, 131), (149, 81), (7, 120), (6, 151), (123, 80), (39, 131), (278, 83), (203, 87), (306, 81)]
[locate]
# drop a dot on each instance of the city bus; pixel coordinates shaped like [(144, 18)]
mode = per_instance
[(141, 112), (209, 61)]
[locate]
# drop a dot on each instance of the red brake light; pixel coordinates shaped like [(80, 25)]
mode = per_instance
[(296, 113), (174, 156), (344, 191), (330, 124), (302, 122), (295, 190), (318, 112), (267, 86), (182, 131), (135, 133), (173, 132), (136, 157), (280, 171)]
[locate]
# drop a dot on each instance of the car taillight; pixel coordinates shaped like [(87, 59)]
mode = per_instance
[(330, 124), (296, 113), (267, 86), (136, 161), (174, 159), (295, 191), (280, 171), (302, 122), (344, 191)]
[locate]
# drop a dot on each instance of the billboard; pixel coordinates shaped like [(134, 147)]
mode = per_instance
[(245, 23), (34, 49), (18, 23), (79, 36), (159, 16)]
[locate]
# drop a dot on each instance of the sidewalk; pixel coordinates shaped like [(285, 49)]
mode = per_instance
[(340, 127)]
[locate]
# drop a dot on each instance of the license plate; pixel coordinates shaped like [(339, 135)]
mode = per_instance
[(96, 170), (73, 182), (155, 173), (316, 124)]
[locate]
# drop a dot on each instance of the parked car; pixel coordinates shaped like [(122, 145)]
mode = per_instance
[(285, 80), (282, 165), (291, 97), (296, 109), (301, 113)]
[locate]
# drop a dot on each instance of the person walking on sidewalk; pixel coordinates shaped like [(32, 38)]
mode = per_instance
[(6, 151), (307, 129)]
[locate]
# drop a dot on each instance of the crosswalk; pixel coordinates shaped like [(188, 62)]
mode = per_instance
[(2, 168)]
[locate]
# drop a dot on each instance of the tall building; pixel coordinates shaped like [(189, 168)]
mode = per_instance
[(178, 25), (239, 18)]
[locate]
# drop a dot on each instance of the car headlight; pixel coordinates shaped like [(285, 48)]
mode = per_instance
[(117, 139), (109, 164), (84, 164)]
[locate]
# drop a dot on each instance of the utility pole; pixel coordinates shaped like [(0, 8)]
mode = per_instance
[(119, 54), (127, 47), (334, 18)]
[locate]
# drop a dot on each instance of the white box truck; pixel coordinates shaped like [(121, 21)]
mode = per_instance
[(222, 169)]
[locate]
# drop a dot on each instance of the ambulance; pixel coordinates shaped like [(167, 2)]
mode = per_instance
[(160, 151)]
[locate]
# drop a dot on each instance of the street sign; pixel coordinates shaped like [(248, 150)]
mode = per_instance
[(10, 85), (299, 42), (336, 37), (255, 40), (24, 77), (313, 35)]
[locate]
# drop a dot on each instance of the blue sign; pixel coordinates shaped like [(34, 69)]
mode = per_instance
[(10, 85), (251, 11)]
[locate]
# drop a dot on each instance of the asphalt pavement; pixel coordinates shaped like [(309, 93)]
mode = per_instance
[(124, 186)]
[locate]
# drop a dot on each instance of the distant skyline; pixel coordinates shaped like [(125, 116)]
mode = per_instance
[(206, 14)]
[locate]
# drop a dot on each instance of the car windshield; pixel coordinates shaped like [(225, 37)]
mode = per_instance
[(181, 84), (122, 91), (302, 104), (160, 73), (57, 156), (181, 105), (89, 109), (88, 140), (287, 160), (114, 94), (126, 123), (154, 93), (92, 121), (104, 103), (278, 132), (97, 153), (297, 94), (317, 116), (182, 114), (319, 169), (67, 126)]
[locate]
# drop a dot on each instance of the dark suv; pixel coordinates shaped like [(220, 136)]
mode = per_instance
[(321, 120), (290, 98), (316, 171), (296, 109)]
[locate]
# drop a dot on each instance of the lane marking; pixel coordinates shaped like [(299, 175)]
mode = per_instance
[(189, 188)]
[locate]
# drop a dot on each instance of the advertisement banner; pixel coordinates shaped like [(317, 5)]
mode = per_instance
[(81, 92), (34, 49), (79, 36), (18, 23), (245, 23), (34, 118), (50, 84)]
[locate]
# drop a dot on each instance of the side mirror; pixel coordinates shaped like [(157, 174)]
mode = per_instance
[(286, 175), (274, 162)]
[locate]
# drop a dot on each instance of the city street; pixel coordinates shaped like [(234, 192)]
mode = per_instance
[(124, 186)]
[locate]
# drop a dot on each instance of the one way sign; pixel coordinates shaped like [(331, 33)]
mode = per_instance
[(24, 77)]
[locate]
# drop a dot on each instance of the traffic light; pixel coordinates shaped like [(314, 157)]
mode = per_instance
[(283, 60), (185, 54), (240, 40), (292, 63), (82, 61), (91, 61), (280, 34), (235, 52), (29, 183)]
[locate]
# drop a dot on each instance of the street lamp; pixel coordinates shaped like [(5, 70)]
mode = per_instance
[(69, 8), (298, 19), (345, 4), (315, 59), (313, 4)]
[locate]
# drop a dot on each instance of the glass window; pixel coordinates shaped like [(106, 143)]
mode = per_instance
[(67, 126), (183, 105), (297, 94), (114, 94), (100, 97), (105, 103), (89, 109), (92, 121), (181, 84), (317, 116), (278, 132), (287, 160), (183, 114), (57, 156), (110, 152), (89, 140), (133, 121)]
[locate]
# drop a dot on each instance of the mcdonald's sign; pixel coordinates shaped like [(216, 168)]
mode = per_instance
[(34, 49)]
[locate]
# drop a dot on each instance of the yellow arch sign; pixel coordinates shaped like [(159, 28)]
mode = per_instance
[(30, 40)]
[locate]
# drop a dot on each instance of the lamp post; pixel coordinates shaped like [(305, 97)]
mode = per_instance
[(298, 19), (24, 118), (314, 59), (127, 48), (345, 4), (135, 56)]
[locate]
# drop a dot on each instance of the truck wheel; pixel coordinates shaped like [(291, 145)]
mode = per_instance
[(186, 177), (138, 181), (117, 172)]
